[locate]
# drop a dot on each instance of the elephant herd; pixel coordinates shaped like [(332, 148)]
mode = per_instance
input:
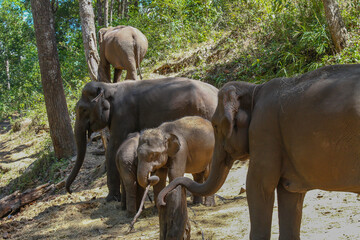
[(300, 133)]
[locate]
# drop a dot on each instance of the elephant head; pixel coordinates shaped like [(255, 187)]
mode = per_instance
[(92, 114), (155, 147), (231, 122)]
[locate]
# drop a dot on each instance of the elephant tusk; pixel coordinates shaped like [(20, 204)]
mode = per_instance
[(98, 96)]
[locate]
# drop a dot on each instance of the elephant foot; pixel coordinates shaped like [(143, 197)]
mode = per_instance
[(155, 210), (197, 200), (113, 197), (210, 201), (130, 214), (123, 205)]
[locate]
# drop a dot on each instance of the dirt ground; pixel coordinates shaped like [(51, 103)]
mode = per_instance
[(86, 215)]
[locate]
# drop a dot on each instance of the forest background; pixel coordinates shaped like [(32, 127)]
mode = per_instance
[(213, 41)]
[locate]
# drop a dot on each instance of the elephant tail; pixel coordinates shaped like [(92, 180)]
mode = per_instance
[(139, 59)]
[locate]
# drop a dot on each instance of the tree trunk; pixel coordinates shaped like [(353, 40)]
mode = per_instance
[(123, 9), (336, 24), (111, 12), (89, 37), (7, 66), (106, 13), (15, 201), (119, 9), (59, 121), (99, 9)]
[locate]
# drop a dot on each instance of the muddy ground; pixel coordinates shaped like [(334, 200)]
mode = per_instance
[(86, 215)]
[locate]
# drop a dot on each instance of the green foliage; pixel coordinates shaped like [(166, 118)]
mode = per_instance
[(284, 38), (274, 39), (172, 25)]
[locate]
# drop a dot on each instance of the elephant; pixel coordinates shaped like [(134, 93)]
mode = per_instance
[(124, 47), (131, 106), (173, 218), (126, 162), (300, 133), (182, 146)]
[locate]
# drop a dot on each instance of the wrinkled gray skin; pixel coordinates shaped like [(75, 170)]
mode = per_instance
[(300, 133), (131, 106), (123, 47), (182, 146), (126, 162), (173, 218)]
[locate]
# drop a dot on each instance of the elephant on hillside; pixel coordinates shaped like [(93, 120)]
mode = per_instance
[(182, 146), (131, 106), (301, 133), (124, 47)]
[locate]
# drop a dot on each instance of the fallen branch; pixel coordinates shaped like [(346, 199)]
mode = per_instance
[(16, 200), (229, 199), (139, 211), (152, 181)]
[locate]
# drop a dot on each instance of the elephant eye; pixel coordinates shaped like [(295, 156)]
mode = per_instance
[(155, 155), (215, 128)]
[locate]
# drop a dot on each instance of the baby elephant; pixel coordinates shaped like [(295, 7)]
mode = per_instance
[(174, 148), (126, 162)]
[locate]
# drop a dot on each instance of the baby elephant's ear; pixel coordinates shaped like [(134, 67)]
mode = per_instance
[(173, 145)]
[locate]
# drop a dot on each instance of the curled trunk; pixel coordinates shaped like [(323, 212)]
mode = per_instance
[(80, 137), (220, 167)]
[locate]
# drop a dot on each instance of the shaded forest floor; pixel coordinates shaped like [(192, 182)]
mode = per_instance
[(86, 215)]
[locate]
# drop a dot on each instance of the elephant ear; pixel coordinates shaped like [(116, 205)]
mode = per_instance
[(231, 105), (102, 105), (173, 144)]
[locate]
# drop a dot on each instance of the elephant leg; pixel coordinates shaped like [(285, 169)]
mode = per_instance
[(117, 75), (123, 195), (104, 71), (290, 212), (198, 177), (131, 71), (262, 179), (209, 200), (162, 174), (113, 176), (131, 198), (139, 194)]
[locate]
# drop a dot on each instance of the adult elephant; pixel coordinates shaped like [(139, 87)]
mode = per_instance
[(123, 47), (131, 106), (300, 133)]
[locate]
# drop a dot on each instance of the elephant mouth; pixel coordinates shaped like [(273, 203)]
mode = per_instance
[(89, 131)]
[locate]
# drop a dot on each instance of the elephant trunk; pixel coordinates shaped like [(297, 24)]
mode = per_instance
[(220, 167), (143, 174), (80, 137)]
